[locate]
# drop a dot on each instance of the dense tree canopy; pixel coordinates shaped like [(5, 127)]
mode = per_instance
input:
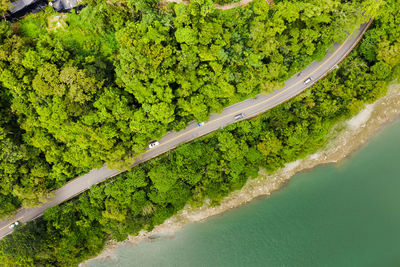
[(154, 191), (4, 6), (101, 84)]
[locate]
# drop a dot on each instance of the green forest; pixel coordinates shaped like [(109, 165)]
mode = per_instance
[(81, 90), (150, 193)]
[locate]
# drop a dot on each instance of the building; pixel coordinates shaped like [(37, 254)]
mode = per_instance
[(21, 8), (20, 5), (64, 5)]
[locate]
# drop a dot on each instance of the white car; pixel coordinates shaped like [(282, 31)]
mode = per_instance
[(200, 124), (308, 80), (13, 225), (153, 144), (334, 67), (239, 116)]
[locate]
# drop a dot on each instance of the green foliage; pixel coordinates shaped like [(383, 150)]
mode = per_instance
[(206, 169), (97, 88), (4, 6)]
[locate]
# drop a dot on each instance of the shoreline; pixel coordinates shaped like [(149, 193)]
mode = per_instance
[(346, 138)]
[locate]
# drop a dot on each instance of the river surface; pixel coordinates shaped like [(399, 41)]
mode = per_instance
[(346, 214)]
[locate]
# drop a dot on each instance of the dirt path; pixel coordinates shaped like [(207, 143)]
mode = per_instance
[(224, 7)]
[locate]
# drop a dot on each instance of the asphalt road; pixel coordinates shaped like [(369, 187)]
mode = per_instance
[(249, 108)]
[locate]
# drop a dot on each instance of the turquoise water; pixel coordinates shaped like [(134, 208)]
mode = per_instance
[(334, 215)]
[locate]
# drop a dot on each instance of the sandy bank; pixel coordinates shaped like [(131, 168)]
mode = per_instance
[(354, 134)]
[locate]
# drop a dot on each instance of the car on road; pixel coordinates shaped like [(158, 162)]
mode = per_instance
[(200, 124), (13, 225), (239, 116), (153, 144), (308, 80), (334, 67)]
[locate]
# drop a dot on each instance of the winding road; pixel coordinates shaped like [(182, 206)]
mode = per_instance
[(249, 108)]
